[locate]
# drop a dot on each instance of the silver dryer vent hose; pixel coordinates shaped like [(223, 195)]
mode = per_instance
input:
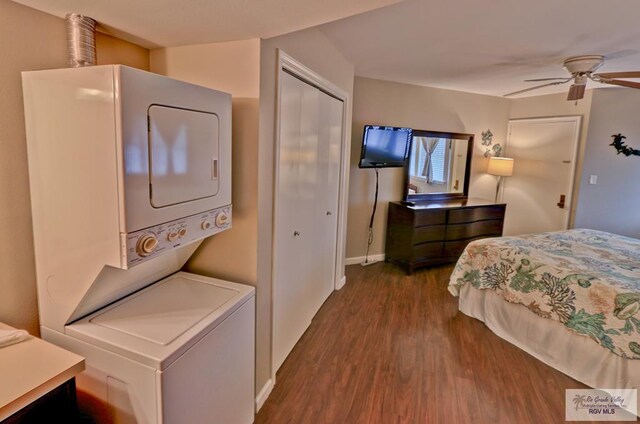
[(81, 40)]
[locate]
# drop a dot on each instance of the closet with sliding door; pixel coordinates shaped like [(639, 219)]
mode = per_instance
[(308, 169)]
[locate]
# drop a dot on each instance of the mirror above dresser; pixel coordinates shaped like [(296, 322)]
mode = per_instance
[(438, 166)]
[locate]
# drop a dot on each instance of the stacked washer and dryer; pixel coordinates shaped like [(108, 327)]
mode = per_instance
[(129, 172)]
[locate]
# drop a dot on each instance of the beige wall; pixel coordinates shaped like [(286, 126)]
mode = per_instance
[(233, 67), (554, 105), (31, 40), (391, 103), (612, 204), (314, 50), (111, 51)]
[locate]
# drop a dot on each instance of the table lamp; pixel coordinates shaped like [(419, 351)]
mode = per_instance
[(501, 167)]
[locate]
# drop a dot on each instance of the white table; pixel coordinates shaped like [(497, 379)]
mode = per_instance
[(31, 369)]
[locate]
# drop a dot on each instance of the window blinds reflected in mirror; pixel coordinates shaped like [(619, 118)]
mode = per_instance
[(430, 159), (438, 165)]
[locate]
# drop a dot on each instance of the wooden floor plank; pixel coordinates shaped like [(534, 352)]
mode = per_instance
[(392, 348)]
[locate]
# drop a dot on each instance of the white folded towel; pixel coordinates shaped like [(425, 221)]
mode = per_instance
[(12, 336)]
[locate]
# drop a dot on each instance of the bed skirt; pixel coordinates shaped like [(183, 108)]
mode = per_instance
[(549, 341)]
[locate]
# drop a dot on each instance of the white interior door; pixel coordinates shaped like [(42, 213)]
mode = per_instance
[(544, 153), (306, 198), (307, 205), (288, 268), (331, 112), (458, 166)]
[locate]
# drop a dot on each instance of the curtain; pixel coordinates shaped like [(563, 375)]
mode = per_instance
[(429, 145)]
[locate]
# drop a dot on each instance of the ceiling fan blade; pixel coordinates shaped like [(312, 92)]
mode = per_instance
[(633, 74), (547, 79), (623, 83), (536, 87)]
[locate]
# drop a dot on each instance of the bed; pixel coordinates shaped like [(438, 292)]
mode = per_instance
[(569, 298)]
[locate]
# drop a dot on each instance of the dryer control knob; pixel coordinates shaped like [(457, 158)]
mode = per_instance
[(222, 219), (146, 244), (206, 225)]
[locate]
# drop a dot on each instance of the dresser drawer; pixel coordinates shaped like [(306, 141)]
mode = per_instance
[(474, 229), (459, 216), (423, 218), (455, 248), (429, 233), (427, 250)]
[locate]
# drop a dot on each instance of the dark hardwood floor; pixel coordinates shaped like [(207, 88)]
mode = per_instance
[(391, 348)]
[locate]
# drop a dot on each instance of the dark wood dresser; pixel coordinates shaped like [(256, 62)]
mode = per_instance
[(433, 233)]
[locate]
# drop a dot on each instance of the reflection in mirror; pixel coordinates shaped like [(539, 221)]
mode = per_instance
[(438, 165)]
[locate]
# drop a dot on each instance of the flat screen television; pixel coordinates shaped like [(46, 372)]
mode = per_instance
[(384, 147)]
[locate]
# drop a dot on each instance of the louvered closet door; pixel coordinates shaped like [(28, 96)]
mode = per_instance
[(305, 234)]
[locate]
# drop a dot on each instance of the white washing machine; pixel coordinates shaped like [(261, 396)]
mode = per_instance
[(178, 351)]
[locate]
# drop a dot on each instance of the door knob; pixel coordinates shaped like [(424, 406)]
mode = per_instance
[(296, 233), (561, 202)]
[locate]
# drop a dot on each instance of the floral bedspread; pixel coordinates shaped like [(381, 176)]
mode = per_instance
[(588, 280)]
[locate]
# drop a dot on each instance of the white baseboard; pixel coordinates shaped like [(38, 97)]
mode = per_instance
[(360, 259), (342, 282), (264, 394)]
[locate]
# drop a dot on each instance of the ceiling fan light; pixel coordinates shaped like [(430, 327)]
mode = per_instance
[(579, 64), (576, 92)]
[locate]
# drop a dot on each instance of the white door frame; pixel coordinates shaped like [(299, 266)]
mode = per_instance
[(292, 66), (577, 120)]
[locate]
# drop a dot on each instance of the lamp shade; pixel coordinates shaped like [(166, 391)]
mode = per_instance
[(502, 167)]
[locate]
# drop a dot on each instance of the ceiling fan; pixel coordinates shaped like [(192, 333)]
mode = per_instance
[(582, 69)]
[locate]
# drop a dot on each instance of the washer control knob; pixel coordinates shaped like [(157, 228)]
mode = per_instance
[(147, 244), (182, 232), (172, 236), (222, 219), (206, 225)]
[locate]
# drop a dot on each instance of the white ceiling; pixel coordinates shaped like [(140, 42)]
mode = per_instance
[(486, 46), (165, 23)]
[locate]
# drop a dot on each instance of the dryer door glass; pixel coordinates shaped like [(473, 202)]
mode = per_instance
[(183, 155)]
